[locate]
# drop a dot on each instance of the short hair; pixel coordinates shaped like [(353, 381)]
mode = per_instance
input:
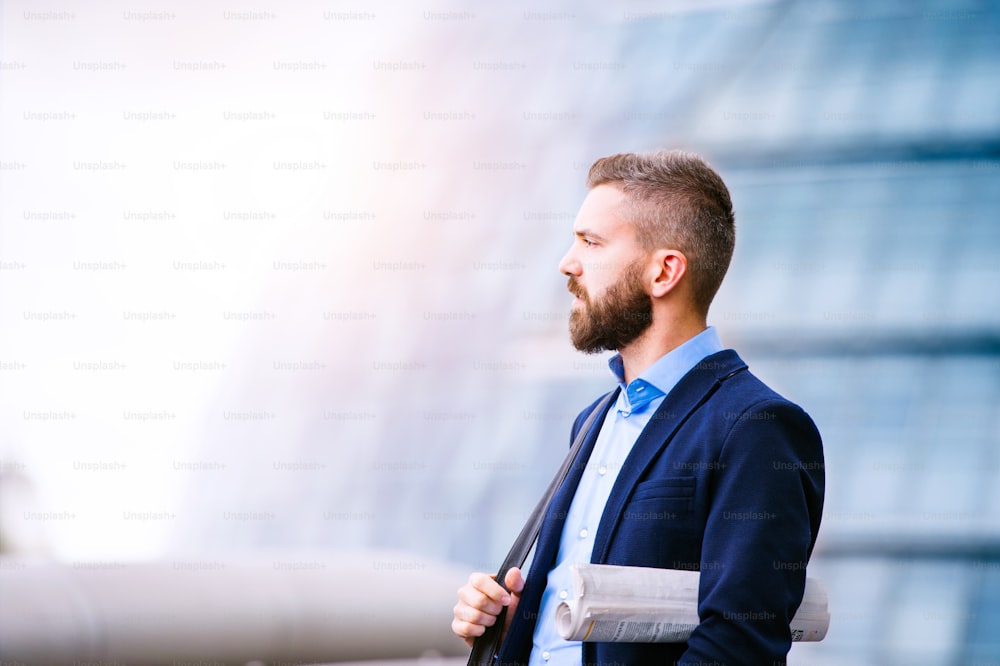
[(676, 201)]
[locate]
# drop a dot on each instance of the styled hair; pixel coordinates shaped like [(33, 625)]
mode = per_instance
[(676, 201)]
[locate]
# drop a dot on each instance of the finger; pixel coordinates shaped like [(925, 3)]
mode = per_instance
[(490, 588), (465, 613), (466, 630), (472, 598), (463, 629), (514, 580)]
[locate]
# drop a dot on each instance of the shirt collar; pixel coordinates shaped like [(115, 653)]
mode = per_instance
[(660, 378)]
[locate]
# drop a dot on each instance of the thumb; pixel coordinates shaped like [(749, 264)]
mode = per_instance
[(514, 580)]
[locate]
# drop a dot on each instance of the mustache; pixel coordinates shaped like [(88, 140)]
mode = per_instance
[(575, 288)]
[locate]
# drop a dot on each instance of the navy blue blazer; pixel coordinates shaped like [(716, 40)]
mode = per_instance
[(726, 479)]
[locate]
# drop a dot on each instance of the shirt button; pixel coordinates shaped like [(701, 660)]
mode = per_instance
[(563, 594), (626, 414), (584, 533), (546, 656), (602, 470)]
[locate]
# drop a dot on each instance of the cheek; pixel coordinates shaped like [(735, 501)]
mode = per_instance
[(597, 281), (605, 268)]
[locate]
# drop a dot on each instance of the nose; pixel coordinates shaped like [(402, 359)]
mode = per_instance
[(569, 265)]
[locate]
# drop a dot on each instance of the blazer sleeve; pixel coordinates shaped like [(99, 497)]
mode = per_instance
[(765, 509)]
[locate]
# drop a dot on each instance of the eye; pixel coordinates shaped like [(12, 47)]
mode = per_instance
[(588, 242)]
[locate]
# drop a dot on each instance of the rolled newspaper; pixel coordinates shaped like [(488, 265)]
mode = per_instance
[(644, 605)]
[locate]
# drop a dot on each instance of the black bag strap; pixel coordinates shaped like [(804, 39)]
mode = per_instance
[(486, 646)]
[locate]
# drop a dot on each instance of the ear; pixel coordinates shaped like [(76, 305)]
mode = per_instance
[(670, 266)]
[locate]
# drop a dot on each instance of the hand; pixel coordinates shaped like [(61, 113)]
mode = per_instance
[(480, 601)]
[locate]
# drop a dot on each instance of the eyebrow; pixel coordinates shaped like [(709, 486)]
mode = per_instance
[(587, 232)]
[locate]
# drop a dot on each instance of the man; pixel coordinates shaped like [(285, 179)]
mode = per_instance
[(695, 465)]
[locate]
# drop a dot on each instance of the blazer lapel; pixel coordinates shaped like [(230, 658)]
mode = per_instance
[(690, 392)]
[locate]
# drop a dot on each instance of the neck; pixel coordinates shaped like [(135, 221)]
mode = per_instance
[(656, 341)]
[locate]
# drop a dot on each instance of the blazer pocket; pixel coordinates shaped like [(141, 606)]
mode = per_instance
[(658, 527), (677, 487)]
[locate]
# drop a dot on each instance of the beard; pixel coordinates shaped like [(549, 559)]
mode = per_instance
[(613, 320)]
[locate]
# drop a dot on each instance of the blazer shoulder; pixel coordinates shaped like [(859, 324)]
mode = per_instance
[(745, 399), (748, 388), (751, 408)]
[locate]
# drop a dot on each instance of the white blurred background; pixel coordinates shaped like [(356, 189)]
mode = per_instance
[(284, 276)]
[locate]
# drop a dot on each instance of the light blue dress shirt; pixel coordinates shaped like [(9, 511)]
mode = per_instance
[(636, 404)]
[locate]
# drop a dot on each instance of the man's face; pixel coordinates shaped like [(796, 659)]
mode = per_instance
[(606, 267)]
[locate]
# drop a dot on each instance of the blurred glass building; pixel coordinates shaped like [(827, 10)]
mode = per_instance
[(382, 362)]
